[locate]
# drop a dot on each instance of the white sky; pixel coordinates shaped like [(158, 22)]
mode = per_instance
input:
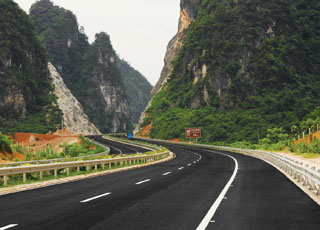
[(139, 29)]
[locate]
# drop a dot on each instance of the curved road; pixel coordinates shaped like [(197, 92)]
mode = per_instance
[(173, 195), (118, 148)]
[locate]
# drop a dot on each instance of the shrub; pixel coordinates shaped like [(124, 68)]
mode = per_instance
[(5, 144)]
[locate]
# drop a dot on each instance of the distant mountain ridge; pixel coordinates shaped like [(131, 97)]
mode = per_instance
[(238, 68)]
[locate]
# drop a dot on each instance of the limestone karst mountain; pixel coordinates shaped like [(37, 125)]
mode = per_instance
[(237, 69), (90, 71)]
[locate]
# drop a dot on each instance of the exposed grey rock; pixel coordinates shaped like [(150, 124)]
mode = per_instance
[(75, 120)]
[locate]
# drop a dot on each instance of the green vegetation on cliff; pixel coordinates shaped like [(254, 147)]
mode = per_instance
[(261, 71), (136, 87), (27, 102)]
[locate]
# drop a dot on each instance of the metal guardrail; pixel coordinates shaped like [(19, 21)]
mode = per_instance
[(303, 174), (5, 172)]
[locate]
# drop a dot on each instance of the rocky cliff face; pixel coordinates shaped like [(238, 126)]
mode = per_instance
[(75, 120), (188, 12), (106, 78), (89, 70), (26, 102)]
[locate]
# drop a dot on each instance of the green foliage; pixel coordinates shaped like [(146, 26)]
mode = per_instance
[(136, 87), (85, 148), (24, 75), (303, 147), (5, 144), (262, 73)]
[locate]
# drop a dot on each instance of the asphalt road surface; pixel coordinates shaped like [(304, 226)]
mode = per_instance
[(118, 148), (177, 194)]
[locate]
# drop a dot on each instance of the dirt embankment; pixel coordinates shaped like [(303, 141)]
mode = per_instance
[(308, 138), (38, 142)]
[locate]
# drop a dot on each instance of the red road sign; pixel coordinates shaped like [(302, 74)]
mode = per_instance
[(193, 132)]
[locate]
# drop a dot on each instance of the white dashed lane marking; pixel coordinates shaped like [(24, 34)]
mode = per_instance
[(93, 198), (144, 181), (167, 173)]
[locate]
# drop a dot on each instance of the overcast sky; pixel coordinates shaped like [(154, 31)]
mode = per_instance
[(139, 29)]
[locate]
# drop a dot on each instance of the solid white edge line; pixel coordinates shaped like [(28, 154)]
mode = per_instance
[(167, 173), (206, 220), (93, 198), (8, 226), (140, 182)]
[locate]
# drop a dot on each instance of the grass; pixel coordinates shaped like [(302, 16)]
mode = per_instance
[(308, 155)]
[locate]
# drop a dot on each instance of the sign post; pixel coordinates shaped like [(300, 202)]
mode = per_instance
[(193, 133)]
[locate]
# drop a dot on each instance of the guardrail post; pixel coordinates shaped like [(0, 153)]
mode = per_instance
[(102, 166), (55, 173), (305, 181), (41, 175), (96, 167), (78, 168), (109, 165), (312, 185), (24, 177), (68, 172), (5, 180), (88, 168)]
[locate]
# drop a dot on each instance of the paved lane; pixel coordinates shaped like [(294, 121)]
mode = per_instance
[(172, 195)]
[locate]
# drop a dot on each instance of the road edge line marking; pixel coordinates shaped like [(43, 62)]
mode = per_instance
[(93, 198), (206, 220), (8, 226)]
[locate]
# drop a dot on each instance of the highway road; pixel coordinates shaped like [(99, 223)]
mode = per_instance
[(184, 193), (118, 148)]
